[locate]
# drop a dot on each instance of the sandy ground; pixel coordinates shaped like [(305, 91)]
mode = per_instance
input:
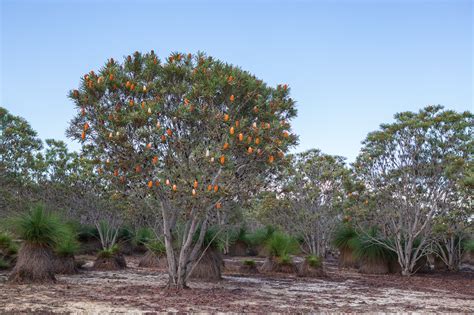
[(138, 290)]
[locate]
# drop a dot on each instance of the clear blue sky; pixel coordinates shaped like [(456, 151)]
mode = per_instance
[(350, 64)]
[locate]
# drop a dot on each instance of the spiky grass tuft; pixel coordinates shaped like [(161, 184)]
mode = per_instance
[(38, 227), (345, 238), (260, 236), (368, 246), (314, 261), (143, 236), (68, 245), (109, 252), (469, 246), (281, 244), (157, 247)]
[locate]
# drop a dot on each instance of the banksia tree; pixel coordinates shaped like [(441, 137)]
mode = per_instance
[(191, 132)]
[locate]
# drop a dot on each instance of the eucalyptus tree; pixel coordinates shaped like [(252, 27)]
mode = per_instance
[(411, 169)]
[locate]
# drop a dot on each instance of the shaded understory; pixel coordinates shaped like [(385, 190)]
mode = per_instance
[(141, 290)]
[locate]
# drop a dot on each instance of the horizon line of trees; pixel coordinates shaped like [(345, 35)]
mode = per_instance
[(192, 143)]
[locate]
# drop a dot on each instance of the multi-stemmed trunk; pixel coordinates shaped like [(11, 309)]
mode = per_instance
[(182, 259), (450, 251), (409, 254)]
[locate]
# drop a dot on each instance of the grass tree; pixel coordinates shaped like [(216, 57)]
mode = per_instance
[(411, 168), (191, 132), (374, 256), (65, 250), (40, 232), (280, 246), (345, 240), (154, 256)]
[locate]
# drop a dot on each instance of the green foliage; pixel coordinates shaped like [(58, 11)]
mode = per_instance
[(125, 234), (19, 146), (109, 252), (314, 261), (143, 236), (38, 226), (345, 237), (68, 244), (157, 247), (4, 264), (5, 240), (260, 236), (214, 238), (281, 244), (366, 247), (469, 246), (7, 246), (87, 232), (239, 235), (285, 260), (249, 262), (12, 249)]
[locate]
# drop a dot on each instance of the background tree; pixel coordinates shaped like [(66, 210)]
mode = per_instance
[(192, 133), (311, 199), (452, 228), (20, 162), (410, 170)]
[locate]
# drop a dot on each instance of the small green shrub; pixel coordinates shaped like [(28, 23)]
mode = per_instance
[(249, 262), (109, 252), (68, 245), (143, 236), (38, 226), (213, 238), (87, 232), (281, 244), (5, 240), (365, 247), (12, 249), (4, 264), (469, 246), (285, 260), (156, 247), (345, 237), (125, 234), (314, 261), (260, 236), (239, 235)]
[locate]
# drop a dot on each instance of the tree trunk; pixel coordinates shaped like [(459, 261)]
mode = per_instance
[(180, 267)]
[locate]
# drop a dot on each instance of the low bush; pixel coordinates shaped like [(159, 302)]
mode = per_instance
[(7, 245), (314, 261), (87, 232), (68, 245), (345, 237), (109, 252), (260, 236), (4, 264), (469, 246), (143, 236), (281, 245), (157, 247), (367, 246)]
